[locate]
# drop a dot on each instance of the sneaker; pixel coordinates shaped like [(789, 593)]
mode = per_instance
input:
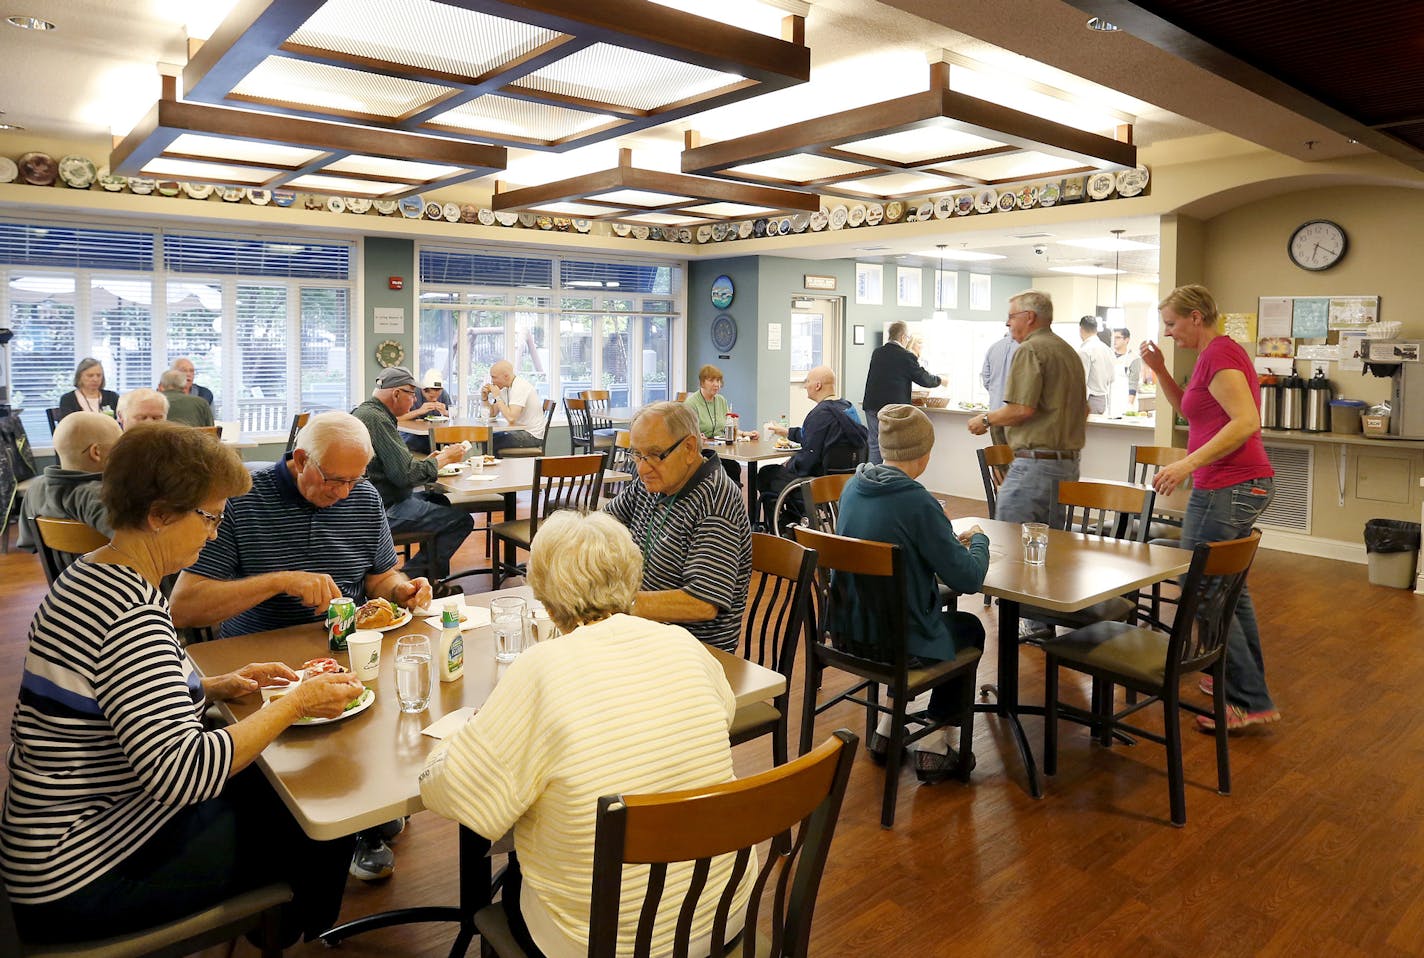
[(1238, 718), (878, 746), (1206, 685), (391, 828), (931, 768), (1033, 631), (373, 858)]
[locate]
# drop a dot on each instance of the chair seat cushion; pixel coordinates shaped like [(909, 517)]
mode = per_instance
[(520, 452), (1127, 650), (932, 672), (753, 716), (516, 530), (492, 502), (1116, 609)]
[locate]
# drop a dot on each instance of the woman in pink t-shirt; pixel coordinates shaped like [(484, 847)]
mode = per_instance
[(1232, 480)]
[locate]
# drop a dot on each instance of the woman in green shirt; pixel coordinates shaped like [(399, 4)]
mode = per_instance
[(711, 409)]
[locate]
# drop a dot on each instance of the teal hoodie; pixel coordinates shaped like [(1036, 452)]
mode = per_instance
[(883, 504)]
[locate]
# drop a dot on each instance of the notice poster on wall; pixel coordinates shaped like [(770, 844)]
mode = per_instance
[(1275, 347), (1240, 327), (1273, 316), (1310, 317), (1353, 312), (1350, 346)]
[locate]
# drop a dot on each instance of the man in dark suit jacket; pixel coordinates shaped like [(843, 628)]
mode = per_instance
[(185, 364), (892, 369)]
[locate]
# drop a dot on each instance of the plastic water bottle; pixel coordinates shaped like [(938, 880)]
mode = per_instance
[(785, 421)]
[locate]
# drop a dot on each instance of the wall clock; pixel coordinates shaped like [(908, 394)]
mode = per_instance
[(389, 353), (722, 292), (1317, 245), (724, 333)]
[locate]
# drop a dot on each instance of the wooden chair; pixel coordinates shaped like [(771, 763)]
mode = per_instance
[(620, 459), (787, 509), (682, 396), (216, 925), (487, 505), (53, 415), (994, 462), (1144, 462), (298, 421), (61, 541), (530, 452), (777, 613), (1150, 662), (793, 806), (477, 436), (214, 431), (560, 482), (600, 425), (821, 498), (872, 646), (580, 427)]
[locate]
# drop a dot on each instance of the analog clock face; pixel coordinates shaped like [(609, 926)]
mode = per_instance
[(1317, 245)]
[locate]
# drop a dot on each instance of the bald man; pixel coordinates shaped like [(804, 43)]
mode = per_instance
[(142, 405), (516, 399), (70, 490), (831, 423), (185, 366)]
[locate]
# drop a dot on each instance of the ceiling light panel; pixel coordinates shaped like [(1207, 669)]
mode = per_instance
[(799, 168), (344, 186), (505, 118), (911, 146), (899, 184), (1007, 168), (573, 209), (390, 169), (432, 37), (632, 198), (334, 90), (729, 210), (245, 151), (613, 75), (206, 172)]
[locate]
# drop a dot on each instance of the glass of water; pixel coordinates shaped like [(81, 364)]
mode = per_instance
[(413, 672), (1035, 542), (508, 619)]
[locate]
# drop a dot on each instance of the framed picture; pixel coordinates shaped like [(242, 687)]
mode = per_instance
[(819, 282), (857, 335), (869, 282)]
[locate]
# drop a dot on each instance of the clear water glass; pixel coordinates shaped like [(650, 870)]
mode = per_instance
[(509, 622), (413, 678), (1035, 542)]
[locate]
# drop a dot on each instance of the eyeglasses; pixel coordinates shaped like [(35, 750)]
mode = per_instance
[(639, 457), (407, 391), (332, 480), (213, 521), (1019, 312)]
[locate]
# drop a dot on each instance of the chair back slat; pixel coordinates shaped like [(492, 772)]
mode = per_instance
[(564, 482), (597, 403), (478, 436), (822, 499), (862, 607), (299, 420), (1144, 462), (779, 606), (1207, 605), (1107, 508), (699, 825), (580, 427), (62, 541), (994, 462)]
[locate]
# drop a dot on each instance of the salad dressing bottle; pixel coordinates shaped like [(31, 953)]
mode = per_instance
[(450, 655)]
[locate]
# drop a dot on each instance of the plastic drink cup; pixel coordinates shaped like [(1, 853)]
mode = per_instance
[(413, 679), (363, 647), (1035, 542), (507, 620)]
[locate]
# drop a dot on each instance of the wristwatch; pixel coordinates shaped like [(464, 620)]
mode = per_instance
[(985, 420)]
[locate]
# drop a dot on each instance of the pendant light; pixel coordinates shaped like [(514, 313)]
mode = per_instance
[(1117, 314), (939, 314)]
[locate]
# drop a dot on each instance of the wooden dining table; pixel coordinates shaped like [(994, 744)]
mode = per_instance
[(357, 772), (1081, 570), (753, 452)]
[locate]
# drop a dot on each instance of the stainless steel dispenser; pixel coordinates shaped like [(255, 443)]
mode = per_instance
[(1318, 394), (1292, 402)]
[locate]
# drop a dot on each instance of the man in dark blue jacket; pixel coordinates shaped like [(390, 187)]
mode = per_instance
[(892, 369), (831, 424), (886, 503)]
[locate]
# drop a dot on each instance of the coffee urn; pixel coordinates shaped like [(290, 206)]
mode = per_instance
[(1318, 394), (1270, 402), (1292, 402)]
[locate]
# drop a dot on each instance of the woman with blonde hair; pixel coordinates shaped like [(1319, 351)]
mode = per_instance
[(1232, 480)]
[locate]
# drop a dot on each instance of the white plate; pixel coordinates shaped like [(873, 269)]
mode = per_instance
[(412, 207), (471, 617), (856, 216), (744, 228), (451, 212), (944, 206), (1007, 201), (874, 214), (622, 229), (1129, 182), (231, 194), (819, 219), (363, 702), (336, 204), (485, 217), (527, 219), (358, 205), (385, 207), (985, 200), (8, 170), (198, 191), (839, 215), (1100, 186), (506, 217), (110, 182), (704, 233), (964, 204), (926, 211), (77, 171), (405, 617), (1048, 194), (640, 232)]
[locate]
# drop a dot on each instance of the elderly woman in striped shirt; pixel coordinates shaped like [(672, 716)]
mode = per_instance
[(122, 810)]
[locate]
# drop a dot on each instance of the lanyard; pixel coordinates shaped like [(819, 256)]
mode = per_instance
[(655, 531)]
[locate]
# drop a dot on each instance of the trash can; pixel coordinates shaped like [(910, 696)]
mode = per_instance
[(1392, 546)]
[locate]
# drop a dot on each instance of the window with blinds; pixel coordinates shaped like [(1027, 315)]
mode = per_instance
[(601, 325), (266, 321)]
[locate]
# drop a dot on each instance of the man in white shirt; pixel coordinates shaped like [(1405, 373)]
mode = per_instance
[(1098, 364), (1128, 363), (516, 399)]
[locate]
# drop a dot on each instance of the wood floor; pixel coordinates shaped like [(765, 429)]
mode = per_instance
[(1319, 850)]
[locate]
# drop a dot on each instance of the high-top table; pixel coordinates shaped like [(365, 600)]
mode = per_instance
[(1081, 570), (339, 778), (752, 452)]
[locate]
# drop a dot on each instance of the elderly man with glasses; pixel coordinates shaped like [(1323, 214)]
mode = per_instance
[(310, 530), (400, 478), (689, 521)]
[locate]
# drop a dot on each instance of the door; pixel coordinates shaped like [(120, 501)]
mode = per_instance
[(816, 328)]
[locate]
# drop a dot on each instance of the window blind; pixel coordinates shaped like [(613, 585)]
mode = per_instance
[(34, 244), (242, 256)]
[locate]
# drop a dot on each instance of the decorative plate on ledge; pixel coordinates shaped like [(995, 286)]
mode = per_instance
[(390, 353)]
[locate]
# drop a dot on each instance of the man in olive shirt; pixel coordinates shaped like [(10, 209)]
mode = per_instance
[(1045, 414), (397, 474), (189, 410)]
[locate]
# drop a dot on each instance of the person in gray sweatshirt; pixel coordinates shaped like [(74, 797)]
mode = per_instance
[(70, 490)]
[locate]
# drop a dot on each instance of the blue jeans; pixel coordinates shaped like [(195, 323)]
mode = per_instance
[(872, 423), (1030, 491), (1219, 515), (516, 439), (449, 524)]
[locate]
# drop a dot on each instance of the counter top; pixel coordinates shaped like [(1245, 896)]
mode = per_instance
[(1349, 439), (1128, 422)]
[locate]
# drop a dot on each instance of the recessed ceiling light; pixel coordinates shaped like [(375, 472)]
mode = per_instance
[(1099, 25), (963, 255), (30, 23)]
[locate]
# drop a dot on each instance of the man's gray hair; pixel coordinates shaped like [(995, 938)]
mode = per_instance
[(679, 418), (328, 429), (173, 379), (1036, 301), (898, 331), (584, 567), (134, 396)]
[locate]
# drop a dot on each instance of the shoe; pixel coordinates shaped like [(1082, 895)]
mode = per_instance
[(1206, 685), (931, 768), (373, 858), (1035, 632), (879, 747), (390, 829), (1238, 718)]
